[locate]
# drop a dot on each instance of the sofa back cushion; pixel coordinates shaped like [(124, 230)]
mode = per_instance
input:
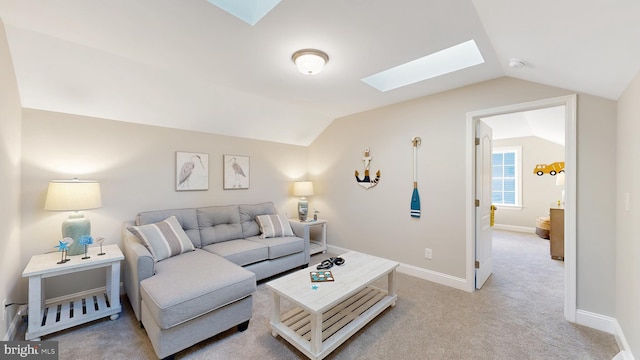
[(186, 217), (219, 223), (248, 215)]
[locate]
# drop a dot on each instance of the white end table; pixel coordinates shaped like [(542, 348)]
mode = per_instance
[(317, 244), (46, 317)]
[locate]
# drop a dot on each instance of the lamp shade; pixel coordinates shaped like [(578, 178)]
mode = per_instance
[(302, 188), (73, 195)]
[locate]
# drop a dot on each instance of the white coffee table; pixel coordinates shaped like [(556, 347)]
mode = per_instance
[(326, 317)]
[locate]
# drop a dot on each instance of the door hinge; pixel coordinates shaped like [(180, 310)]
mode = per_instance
[(477, 141), (477, 203), (477, 264)]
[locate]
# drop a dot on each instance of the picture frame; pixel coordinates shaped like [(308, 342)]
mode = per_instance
[(236, 171), (192, 171)]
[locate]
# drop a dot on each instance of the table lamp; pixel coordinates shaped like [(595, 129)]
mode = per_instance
[(560, 180), (74, 195), (302, 189)]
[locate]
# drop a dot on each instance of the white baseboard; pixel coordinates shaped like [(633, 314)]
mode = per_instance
[(523, 229), (625, 352), (623, 355), (596, 321), (421, 273), (15, 323)]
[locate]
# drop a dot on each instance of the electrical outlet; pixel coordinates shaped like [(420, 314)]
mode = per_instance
[(427, 253)]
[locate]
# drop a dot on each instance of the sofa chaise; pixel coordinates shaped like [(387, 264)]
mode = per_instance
[(190, 273)]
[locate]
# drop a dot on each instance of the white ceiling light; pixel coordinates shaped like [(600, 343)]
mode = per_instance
[(310, 61)]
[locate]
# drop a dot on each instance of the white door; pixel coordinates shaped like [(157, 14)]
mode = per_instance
[(484, 232)]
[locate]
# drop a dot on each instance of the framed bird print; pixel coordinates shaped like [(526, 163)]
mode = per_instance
[(192, 171), (235, 172)]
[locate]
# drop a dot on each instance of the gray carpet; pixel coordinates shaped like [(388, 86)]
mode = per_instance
[(517, 315)]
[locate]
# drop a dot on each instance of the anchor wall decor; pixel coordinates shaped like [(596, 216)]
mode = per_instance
[(367, 183)]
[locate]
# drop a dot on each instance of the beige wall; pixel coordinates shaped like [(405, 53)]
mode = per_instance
[(10, 239), (377, 220), (135, 165), (539, 193), (628, 246)]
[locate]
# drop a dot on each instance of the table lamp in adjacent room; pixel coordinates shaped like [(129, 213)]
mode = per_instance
[(302, 189), (74, 195), (560, 182)]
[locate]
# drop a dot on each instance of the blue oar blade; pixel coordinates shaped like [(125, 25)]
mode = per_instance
[(415, 204)]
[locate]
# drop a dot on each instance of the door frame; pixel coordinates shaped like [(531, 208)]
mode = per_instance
[(570, 260)]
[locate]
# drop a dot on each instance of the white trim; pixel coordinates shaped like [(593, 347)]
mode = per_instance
[(570, 102), (15, 323), (596, 321), (624, 355), (421, 273), (522, 229), (625, 351)]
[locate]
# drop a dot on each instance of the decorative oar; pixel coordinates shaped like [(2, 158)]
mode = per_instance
[(415, 197)]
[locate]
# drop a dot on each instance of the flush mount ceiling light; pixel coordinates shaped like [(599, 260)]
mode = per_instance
[(310, 61)]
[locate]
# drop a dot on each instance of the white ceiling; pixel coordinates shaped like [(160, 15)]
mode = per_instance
[(546, 123), (188, 64)]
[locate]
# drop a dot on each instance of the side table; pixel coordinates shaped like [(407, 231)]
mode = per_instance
[(46, 317), (305, 228)]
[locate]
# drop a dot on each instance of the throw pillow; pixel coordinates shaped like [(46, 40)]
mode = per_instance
[(164, 239), (273, 226)]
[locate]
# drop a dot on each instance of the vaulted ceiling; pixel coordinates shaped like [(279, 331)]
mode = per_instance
[(189, 64)]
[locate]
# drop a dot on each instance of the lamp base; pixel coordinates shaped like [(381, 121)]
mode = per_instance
[(303, 209), (74, 227)]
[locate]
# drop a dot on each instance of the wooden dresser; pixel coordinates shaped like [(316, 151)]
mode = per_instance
[(556, 234)]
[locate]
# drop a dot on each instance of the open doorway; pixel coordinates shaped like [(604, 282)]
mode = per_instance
[(569, 104), (522, 141)]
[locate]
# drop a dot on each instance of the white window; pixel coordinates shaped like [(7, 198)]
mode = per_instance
[(506, 184)]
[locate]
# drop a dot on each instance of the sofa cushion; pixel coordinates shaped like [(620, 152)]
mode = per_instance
[(164, 239), (280, 246), (248, 215), (240, 252), (186, 217), (192, 284), (273, 226), (219, 223)]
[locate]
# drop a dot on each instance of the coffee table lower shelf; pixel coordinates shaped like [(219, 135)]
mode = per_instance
[(338, 323)]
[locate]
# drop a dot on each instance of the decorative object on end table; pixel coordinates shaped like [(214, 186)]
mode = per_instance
[(302, 189), (235, 172), (74, 195), (63, 246), (100, 240), (86, 240), (192, 171)]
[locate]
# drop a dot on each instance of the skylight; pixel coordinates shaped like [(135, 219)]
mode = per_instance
[(443, 62), (249, 11)]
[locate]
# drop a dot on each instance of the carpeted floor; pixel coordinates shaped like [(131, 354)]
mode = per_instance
[(517, 315)]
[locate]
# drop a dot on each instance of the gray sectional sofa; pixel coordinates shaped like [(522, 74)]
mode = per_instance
[(189, 273)]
